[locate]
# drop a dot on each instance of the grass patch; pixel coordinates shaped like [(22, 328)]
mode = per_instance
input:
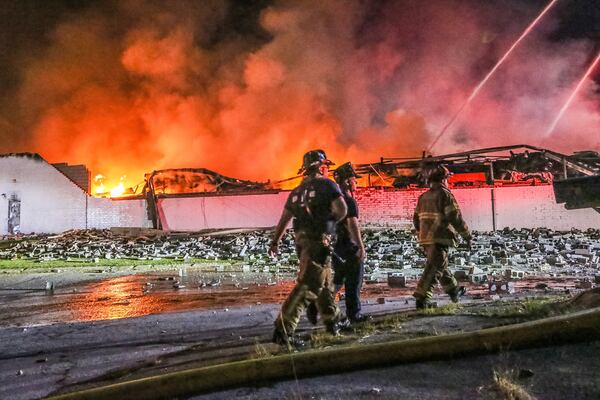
[(448, 309), (504, 386), (261, 351), (532, 308), (389, 324), (323, 339), (23, 263)]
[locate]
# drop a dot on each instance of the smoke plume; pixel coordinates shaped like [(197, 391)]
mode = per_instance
[(138, 85)]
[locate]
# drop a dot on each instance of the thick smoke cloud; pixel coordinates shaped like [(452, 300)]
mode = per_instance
[(134, 86)]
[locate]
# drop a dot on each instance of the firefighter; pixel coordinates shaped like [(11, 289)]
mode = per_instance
[(315, 206), (349, 266), (438, 222)]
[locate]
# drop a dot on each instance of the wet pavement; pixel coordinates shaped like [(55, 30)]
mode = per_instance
[(99, 328), (24, 302), (144, 294)]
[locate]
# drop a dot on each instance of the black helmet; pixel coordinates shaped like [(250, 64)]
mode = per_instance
[(314, 158), (438, 173), (344, 172)]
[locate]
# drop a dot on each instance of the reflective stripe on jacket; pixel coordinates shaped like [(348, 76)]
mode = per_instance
[(437, 218)]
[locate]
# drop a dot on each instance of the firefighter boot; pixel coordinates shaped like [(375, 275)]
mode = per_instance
[(311, 312), (334, 327), (457, 293), (423, 304), (289, 341)]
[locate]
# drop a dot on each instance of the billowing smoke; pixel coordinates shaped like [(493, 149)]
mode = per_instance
[(136, 85)]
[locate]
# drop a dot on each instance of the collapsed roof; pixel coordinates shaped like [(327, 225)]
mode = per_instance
[(197, 180), (508, 164)]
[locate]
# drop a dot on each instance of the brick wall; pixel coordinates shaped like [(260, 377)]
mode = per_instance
[(79, 174), (50, 202), (534, 206), (387, 207), (395, 207), (107, 213), (221, 212), (516, 207)]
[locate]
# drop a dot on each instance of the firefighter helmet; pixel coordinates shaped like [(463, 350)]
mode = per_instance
[(438, 173), (312, 159), (344, 172)]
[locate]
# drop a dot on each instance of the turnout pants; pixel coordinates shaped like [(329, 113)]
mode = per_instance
[(314, 284), (436, 270)]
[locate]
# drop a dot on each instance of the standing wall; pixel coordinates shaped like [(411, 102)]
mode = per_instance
[(534, 206), (221, 212), (50, 202), (107, 213), (515, 207)]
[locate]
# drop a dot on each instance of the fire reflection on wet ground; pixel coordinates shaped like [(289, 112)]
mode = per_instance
[(143, 294), (133, 296)]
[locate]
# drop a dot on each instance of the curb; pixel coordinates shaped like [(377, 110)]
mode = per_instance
[(575, 327)]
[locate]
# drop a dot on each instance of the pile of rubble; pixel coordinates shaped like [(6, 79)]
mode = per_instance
[(516, 254), (495, 258), (510, 253), (94, 245)]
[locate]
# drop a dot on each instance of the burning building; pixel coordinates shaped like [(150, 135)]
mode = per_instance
[(496, 188)]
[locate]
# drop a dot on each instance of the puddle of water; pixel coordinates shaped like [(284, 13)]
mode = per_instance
[(138, 295)]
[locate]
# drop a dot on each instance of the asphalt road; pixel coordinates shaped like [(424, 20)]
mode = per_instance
[(58, 357)]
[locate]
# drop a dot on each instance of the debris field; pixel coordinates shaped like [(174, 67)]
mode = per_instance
[(392, 255)]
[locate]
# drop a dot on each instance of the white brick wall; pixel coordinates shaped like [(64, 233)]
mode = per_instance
[(394, 208), (516, 207), (51, 203), (106, 213), (534, 206), (222, 212)]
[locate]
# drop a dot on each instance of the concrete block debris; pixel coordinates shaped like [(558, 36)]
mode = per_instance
[(501, 287), (518, 253), (461, 275), (396, 279), (514, 273), (478, 279)]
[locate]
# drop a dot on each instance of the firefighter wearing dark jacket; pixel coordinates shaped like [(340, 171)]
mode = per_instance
[(316, 206), (438, 222), (349, 266)]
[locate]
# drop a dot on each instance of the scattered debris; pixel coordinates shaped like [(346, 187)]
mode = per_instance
[(394, 256)]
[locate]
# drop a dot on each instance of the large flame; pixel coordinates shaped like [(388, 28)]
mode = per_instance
[(138, 86), (100, 185)]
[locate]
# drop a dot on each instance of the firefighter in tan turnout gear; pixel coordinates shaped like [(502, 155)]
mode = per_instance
[(316, 206), (438, 222)]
